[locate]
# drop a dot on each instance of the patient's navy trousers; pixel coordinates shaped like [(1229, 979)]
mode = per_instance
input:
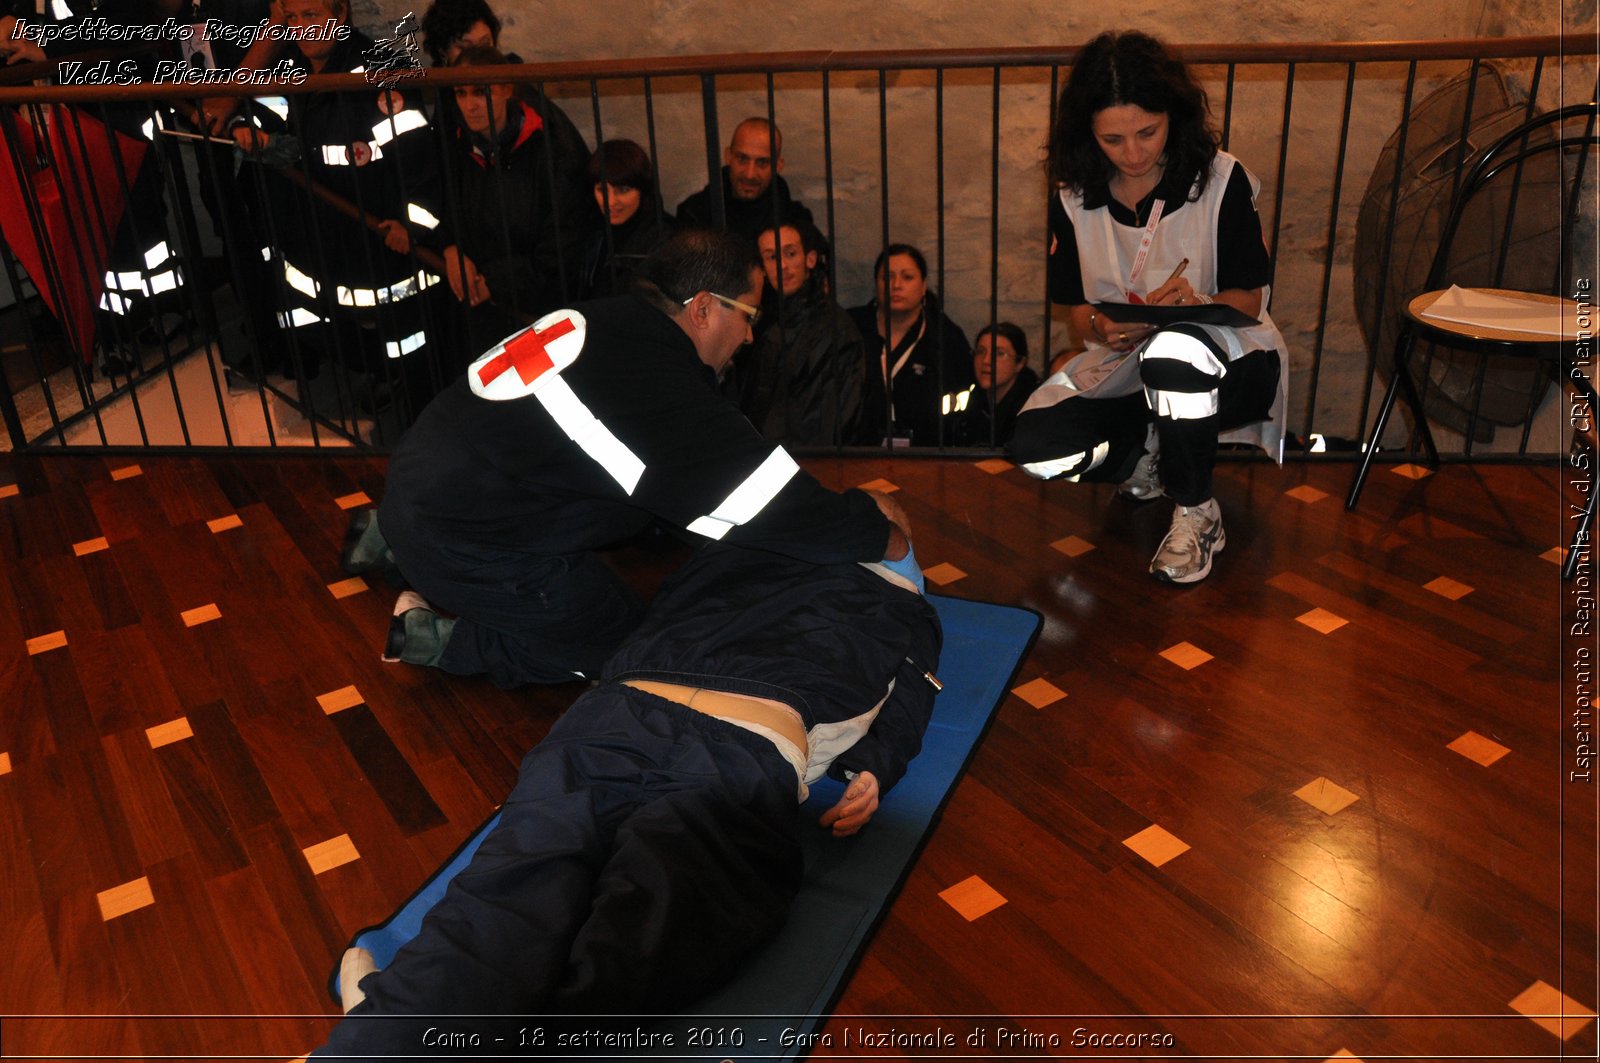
[(645, 851)]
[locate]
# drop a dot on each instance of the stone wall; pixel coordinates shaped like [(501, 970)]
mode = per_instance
[(1002, 205)]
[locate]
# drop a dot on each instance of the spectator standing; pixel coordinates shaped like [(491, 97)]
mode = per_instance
[(345, 289), (513, 238)]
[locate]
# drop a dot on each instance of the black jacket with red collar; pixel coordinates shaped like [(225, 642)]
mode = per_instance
[(521, 207)]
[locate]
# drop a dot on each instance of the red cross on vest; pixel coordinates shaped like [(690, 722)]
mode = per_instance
[(526, 354)]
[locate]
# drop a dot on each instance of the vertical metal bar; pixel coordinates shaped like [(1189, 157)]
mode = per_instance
[(1227, 106), (170, 160), (1463, 142), (708, 104), (655, 158), (1388, 247), (938, 169), (568, 291), (1049, 351), (827, 178), (994, 241), (128, 218), (1333, 236), (1283, 162), (773, 152), (608, 242), (881, 294)]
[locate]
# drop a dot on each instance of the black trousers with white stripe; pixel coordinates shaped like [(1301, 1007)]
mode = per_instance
[(1191, 397)]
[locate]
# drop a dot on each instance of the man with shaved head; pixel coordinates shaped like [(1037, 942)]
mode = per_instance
[(754, 193)]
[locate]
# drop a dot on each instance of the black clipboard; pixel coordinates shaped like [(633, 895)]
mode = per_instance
[(1172, 314)]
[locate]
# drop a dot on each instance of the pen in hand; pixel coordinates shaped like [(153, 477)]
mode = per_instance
[(1160, 294)]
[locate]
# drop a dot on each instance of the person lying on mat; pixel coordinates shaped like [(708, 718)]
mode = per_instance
[(651, 843)]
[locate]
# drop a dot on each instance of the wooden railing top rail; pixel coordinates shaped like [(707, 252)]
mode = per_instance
[(813, 62)]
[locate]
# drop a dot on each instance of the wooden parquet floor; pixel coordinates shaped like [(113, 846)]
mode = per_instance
[(1320, 803)]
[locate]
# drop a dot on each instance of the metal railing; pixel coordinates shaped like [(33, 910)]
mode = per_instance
[(937, 148)]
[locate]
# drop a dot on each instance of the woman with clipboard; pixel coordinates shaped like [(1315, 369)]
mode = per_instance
[(1169, 365)]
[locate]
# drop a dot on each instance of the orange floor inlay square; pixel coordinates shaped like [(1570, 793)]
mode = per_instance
[(222, 524), (128, 897), (880, 485), (44, 643), (1475, 747), (1445, 587), (1186, 655), (943, 574), (971, 898), (1156, 844), (1322, 621), (339, 700), (335, 852), (1555, 555), (9, 490), (346, 587), (352, 501), (1306, 493), (201, 614), (994, 466), (1412, 472), (1552, 1009), (5, 763), (127, 472), (1039, 692), (1343, 1053), (91, 546), (165, 734), (1326, 796), (1072, 546)]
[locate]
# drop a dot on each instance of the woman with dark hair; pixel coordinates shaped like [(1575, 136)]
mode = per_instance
[(984, 414), (915, 355), (448, 26), (625, 192), (1148, 210)]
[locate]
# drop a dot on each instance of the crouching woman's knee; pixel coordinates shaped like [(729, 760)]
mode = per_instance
[(1043, 451)]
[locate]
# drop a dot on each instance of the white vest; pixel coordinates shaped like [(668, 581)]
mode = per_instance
[(1106, 254)]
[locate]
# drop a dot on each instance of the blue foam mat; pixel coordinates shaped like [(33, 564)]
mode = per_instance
[(792, 983)]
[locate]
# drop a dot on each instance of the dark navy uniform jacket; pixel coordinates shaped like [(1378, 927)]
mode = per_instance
[(825, 640), (501, 479)]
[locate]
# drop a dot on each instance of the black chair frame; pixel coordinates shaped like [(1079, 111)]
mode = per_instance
[(1512, 149)]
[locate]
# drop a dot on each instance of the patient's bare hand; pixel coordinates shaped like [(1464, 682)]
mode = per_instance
[(855, 808), (893, 510)]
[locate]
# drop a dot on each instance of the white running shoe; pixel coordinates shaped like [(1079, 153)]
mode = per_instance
[(1185, 554)]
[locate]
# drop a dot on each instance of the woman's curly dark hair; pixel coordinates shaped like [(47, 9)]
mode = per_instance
[(1123, 68), (446, 20)]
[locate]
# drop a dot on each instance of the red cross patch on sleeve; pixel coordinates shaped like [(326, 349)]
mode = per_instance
[(515, 367)]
